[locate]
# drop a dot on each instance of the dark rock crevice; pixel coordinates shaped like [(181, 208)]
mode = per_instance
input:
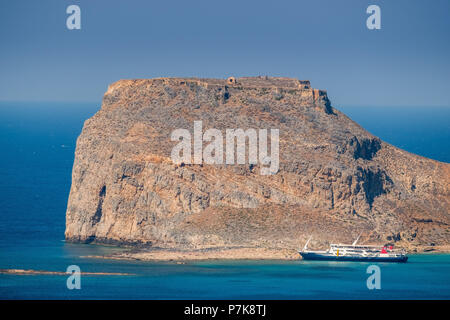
[(98, 213), (374, 183), (328, 107), (365, 148)]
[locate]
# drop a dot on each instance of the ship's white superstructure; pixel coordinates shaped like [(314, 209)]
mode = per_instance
[(355, 252)]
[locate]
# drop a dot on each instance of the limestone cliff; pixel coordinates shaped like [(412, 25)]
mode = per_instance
[(334, 181)]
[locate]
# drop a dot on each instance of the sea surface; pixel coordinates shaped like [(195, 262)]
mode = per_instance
[(37, 143)]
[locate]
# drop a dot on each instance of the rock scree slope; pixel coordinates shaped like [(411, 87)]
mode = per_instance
[(335, 179)]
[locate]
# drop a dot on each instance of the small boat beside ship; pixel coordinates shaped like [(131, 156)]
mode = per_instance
[(354, 252)]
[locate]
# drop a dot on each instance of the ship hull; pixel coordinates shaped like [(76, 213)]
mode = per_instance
[(329, 257)]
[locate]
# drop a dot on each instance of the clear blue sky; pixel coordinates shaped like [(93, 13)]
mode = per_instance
[(407, 62)]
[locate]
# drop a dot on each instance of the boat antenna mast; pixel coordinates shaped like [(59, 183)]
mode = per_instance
[(306, 244), (354, 242)]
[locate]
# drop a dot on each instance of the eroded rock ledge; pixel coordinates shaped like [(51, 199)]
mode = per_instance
[(30, 272), (335, 179)]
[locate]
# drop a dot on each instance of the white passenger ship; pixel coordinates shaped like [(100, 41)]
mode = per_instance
[(354, 252)]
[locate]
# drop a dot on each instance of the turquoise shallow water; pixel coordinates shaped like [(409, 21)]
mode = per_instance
[(423, 277), (37, 143)]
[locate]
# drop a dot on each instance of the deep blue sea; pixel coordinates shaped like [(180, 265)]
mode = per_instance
[(37, 143)]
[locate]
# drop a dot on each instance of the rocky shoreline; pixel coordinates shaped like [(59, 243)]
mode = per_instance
[(181, 256), (209, 254), (24, 272)]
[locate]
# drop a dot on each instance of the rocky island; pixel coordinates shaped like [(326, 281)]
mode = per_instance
[(334, 179)]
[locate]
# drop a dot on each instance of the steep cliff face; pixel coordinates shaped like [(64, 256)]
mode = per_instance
[(334, 181)]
